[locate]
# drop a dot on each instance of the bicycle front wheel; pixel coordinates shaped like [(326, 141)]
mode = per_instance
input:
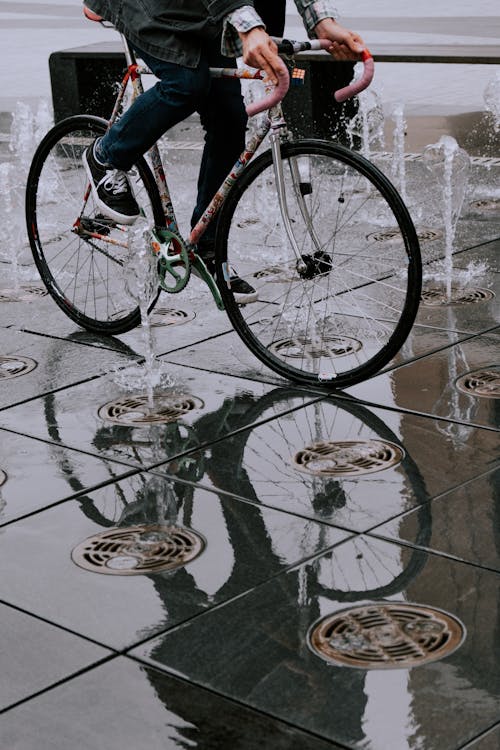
[(339, 288), (80, 254)]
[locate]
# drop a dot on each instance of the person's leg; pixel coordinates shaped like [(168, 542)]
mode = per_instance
[(179, 92), (224, 120), (273, 15)]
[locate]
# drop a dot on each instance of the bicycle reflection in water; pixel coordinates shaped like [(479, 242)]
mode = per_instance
[(253, 463), (256, 464)]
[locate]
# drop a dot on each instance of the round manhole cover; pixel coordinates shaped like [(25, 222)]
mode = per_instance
[(24, 293), (436, 296), (138, 550), (486, 204), (300, 347), (424, 234), (12, 366), (484, 383), (138, 410), (348, 458), (169, 316), (389, 635), (3, 477)]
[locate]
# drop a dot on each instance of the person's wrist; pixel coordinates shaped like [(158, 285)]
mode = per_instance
[(324, 26), (249, 32)]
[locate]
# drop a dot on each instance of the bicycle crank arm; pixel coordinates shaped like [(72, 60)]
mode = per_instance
[(200, 270), (174, 265)]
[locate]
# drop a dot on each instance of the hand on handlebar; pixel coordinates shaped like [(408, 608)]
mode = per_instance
[(259, 51), (346, 44)]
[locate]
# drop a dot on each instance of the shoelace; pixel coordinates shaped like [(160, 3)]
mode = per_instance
[(115, 181)]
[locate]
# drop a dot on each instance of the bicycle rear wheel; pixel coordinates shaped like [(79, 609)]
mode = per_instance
[(80, 254), (341, 310)]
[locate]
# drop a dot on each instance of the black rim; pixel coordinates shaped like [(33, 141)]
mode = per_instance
[(409, 309), (47, 146)]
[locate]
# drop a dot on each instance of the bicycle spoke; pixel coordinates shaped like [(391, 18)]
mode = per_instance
[(345, 307), (81, 254)]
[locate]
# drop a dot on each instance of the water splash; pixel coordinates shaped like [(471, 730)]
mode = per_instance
[(142, 286), (450, 166), (398, 168), (27, 129), (22, 134), (368, 124), (492, 100), (11, 226)]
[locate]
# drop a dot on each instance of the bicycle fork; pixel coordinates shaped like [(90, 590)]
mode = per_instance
[(301, 189)]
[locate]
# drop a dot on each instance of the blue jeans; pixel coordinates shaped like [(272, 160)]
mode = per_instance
[(179, 93)]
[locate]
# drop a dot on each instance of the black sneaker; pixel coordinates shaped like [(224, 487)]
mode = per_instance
[(111, 189), (243, 292)]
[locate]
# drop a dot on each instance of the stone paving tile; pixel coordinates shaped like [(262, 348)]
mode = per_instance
[(473, 317), (176, 321), (36, 655), (286, 461), (55, 364), (198, 407), (489, 741), (135, 706), (259, 652), (35, 474), (463, 523), (484, 256), (243, 546), (428, 385), (229, 354)]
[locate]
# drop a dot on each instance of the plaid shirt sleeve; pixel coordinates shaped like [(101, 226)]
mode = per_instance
[(243, 19), (246, 18), (313, 11)]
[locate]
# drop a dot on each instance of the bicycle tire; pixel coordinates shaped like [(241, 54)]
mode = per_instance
[(345, 313), (85, 276)]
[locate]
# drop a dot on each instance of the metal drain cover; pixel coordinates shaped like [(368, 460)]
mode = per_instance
[(484, 383), (138, 549), (3, 477), (436, 296), (12, 366), (24, 293), (348, 458), (169, 316), (300, 347), (424, 234), (137, 410), (486, 204), (389, 635)]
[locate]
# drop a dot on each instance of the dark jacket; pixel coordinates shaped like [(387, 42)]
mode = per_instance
[(172, 30)]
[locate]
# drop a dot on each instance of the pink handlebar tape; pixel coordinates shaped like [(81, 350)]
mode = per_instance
[(276, 94), (362, 83)]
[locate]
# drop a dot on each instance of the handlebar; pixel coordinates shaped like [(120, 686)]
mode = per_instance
[(362, 83), (276, 95), (287, 47)]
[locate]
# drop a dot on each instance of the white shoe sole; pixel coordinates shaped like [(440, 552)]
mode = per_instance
[(246, 299)]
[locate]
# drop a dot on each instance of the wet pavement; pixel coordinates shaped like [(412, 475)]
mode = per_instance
[(161, 580), (165, 583)]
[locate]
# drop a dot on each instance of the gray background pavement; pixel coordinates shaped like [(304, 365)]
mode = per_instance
[(214, 655)]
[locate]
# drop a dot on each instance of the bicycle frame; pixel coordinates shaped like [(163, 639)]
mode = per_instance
[(167, 242), (172, 251)]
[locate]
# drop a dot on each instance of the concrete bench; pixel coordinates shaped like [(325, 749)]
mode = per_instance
[(83, 80)]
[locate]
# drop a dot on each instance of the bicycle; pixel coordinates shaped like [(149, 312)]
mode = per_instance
[(302, 221)]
